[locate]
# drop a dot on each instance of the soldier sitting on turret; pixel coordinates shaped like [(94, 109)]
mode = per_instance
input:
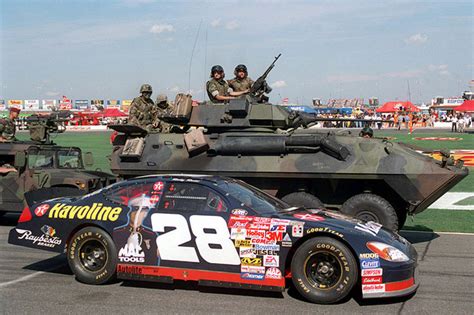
[(218, 89), (142, 109), (241, 82), (162, 108), (7, 125)]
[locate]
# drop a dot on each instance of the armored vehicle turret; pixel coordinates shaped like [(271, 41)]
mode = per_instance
[(277, 150)]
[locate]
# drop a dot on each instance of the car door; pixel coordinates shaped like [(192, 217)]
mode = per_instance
[(191, 220)]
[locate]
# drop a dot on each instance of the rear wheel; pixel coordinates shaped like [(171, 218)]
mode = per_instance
[(370, 207), (302, 199), (92, 255), (323, 270)]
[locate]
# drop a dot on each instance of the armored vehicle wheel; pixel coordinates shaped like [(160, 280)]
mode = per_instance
[(92, 255), (323, 270), (370, 207), (303, 199)]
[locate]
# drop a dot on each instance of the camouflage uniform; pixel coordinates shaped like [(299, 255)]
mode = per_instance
[(162, 108), (142, 113), (7, 129), (239, 85), (214, 88)]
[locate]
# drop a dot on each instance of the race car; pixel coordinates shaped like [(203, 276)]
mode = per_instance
[(220, 232)]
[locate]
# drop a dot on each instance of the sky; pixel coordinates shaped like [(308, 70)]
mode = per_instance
[(393, 50)]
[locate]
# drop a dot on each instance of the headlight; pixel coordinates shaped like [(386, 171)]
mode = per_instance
[(387, 252)]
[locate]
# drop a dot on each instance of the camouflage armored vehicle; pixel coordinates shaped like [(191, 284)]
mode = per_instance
[(44, 170), (277, 151)]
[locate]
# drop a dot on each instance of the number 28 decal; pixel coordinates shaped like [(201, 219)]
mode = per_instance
[(170, 244)]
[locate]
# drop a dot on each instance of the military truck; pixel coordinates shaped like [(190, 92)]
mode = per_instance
[(43, 169)]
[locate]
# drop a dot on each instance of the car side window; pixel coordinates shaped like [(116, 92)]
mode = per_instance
[(136, 194), (192, 197)]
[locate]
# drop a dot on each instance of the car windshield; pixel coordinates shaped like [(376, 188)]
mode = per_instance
[(40, 159), (70, 158), (253, 198)]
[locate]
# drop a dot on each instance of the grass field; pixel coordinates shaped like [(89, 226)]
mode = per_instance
[(430, 220)]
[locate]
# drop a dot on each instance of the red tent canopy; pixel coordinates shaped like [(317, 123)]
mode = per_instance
[(111, 112), (467, 106), (396, 106)]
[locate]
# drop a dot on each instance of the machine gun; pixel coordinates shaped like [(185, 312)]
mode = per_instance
[(41, 126), (260, 86)]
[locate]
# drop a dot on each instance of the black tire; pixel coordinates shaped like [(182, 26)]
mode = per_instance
[(370, 207), (323, 270), (92, 256), (303, 199)]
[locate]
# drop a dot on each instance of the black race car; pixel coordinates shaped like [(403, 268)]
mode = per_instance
[(220, 232)]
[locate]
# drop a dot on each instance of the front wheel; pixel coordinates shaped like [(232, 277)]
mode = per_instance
[(323, 270), (92, 255)]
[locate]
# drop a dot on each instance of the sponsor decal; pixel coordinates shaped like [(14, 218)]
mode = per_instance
[(369, 227), (252, 269), (371, 272), (44, 240), (275, 221), (247, 252), (297, 230), (132, 251), (239, 212), (48, 230), (273, 273), (94, 212), (373, 288), (255, 234), (239, 221), (262, 241), (309, 217), (278, 228), (259, 226), (158, 186), (247, 261), (244, 243), (267, 247), (368, 256), (271, 261), (371, 280), (154, 199), (325, 230), (274, 236), (262, 252), (238, 234), (369, 263), (41, 210), (130, 269), (262, 220), (252, 276), (286, 242)]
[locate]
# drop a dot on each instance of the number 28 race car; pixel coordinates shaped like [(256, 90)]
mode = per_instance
[(219, 232)]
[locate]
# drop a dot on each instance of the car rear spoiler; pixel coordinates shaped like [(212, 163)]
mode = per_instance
[(40, 195)]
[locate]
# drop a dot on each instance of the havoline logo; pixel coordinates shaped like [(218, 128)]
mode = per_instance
[(94, 212)]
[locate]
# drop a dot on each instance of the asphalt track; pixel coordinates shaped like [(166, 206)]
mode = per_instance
[(35, 281)]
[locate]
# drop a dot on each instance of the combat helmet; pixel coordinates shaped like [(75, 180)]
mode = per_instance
[(146, 88), (216, 68), (239, 68)]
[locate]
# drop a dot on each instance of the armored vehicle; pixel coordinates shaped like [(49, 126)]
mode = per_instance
[(43, 169), (270, 148)]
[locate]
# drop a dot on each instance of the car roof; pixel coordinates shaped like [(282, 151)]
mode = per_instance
[(209, 178)]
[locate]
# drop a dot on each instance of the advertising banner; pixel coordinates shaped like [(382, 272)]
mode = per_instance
[(65, 103), (97, 104), (113, 102), (15, 103), (31, 105), (49, 104), (81, 104), (125, 105), (3, 105)]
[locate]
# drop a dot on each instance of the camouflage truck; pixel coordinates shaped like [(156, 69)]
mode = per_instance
[(43, 169)]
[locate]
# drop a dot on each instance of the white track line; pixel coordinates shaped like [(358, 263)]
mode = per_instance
[(28, 277), (445, 233)]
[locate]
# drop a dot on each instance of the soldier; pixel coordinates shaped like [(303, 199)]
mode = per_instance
[(7, 125), (163, 108), (142, 109), (241, 82), (218, 89), (366, 132)]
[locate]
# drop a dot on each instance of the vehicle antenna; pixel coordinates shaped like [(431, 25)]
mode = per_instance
[(204, 94), (191, 59)]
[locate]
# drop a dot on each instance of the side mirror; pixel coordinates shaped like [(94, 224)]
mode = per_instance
[(20, 159), (88, 159)]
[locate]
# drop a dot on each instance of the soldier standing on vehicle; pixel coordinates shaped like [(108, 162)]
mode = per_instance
[(142, 109), (7, 125), (162, 108), (218, 89), (241, 82)]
